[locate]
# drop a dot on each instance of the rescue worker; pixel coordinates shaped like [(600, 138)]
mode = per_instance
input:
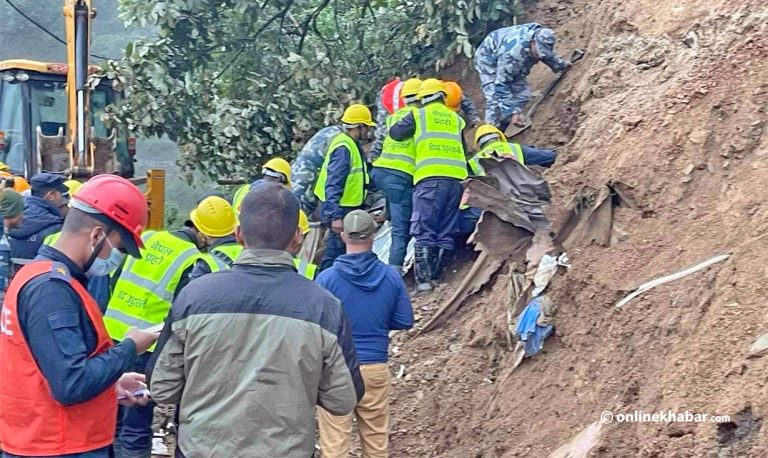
[(142, 295), (489, 139), (457, 100), (440, 167), (61, 377), (393, 171), (504, 59), (388, 101), (216, 219), (42, 215), (342, 184), (275, 170), (307, 165), (98, 287)]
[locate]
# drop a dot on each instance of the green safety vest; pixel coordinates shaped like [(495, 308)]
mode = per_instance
[(239, 197), (305, 269), (499, 147), (224, 255), (398, 155), (51, 239), (357, 180), (439, 146), (144, 291)]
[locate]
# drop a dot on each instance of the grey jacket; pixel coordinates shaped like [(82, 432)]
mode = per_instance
[(248, 353)]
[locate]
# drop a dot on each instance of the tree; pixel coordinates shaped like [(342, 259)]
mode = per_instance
[(237, 81)]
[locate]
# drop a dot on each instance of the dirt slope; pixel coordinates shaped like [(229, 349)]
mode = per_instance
[(671, 99)]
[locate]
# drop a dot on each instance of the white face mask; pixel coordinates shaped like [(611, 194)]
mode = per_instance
[(101, 267)]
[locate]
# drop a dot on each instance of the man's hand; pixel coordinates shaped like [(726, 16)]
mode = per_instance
[(129, 383), (518, 120), (142, 339), (337, 226)]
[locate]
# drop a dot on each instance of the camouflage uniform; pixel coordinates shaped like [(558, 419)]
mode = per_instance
[(306, 166), (504, 61), (469, 109), (381, 128)]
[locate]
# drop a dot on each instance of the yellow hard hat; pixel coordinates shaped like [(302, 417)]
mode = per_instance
[(73, 186), (410, 88), (430, 87), (214, 217), (358, 114), (4, 167), (303, 222), (453, 95), (487, 130), (280, 166)]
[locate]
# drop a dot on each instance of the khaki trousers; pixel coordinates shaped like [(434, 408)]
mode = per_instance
[(372, 414)]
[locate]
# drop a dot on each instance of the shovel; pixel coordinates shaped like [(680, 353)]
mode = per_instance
[(513, 130)]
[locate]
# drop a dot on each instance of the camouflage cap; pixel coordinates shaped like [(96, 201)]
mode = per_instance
[(545, 42)]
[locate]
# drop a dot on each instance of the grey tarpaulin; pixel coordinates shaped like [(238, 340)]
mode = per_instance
[(382, 244)]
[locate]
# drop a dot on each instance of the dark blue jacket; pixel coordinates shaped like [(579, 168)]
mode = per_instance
[(61, 336), (338, 170), (40, 219), (374, 299)]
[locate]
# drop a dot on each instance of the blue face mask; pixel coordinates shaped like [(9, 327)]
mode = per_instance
[(101, 267)]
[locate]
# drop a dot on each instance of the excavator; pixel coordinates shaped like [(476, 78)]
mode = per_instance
[(51, 117)]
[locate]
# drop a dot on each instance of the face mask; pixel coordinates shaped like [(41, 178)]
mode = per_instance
[(101, 267)]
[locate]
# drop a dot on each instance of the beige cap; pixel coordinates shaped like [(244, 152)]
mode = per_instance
[(359, 225)]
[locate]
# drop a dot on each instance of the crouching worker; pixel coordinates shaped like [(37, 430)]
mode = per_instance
[(376, 301), (61, 376)]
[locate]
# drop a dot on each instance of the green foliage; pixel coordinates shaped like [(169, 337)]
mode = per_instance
[(237, 81)]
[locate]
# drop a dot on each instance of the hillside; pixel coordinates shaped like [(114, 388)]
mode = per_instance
[(671, 100)]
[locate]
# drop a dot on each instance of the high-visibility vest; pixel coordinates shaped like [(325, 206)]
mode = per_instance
[(32, 422), (305, 269), (239, 197), (357, 179), (224, 255), (439, 146), (144, 291), (501, 148), (398, 155), (51, 239)]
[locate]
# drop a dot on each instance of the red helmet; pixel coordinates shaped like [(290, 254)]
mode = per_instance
[(121, 202), (390, 96)]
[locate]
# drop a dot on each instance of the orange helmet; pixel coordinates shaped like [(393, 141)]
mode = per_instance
[(453, 95)]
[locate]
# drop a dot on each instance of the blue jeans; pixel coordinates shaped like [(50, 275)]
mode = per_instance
[(538, 156), (399, 192), (435, 216), (134, 424), (334, 247)]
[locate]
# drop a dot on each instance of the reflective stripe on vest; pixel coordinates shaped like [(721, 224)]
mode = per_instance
[(225, 255), (51, 239), (357, 179), (32, 422), (398, 155), (499, 147), (439, 146), (305, 269), (144, 291)]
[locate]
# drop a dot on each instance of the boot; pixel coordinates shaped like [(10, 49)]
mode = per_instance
[(437, 262), (422, 269)]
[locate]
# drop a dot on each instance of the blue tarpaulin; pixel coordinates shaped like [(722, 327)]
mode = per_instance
[(528, 331)]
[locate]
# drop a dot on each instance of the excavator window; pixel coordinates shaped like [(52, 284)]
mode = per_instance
[(12, 125)]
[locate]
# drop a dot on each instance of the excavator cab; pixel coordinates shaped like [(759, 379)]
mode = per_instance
[(33, 123)]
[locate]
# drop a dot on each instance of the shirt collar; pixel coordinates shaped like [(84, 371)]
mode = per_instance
[(264, 257)]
